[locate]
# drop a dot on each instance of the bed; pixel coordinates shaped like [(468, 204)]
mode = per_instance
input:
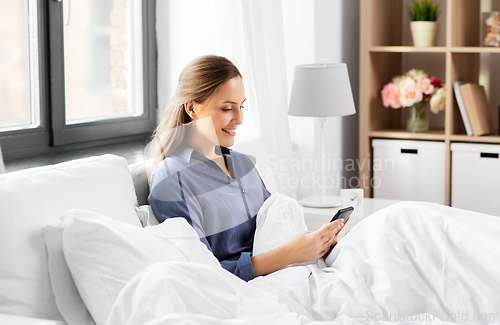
[(86, 251)]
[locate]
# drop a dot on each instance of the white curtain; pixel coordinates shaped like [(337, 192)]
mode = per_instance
[(250, 33)]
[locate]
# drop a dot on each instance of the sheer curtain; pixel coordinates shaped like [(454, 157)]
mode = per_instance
[(251, 33)]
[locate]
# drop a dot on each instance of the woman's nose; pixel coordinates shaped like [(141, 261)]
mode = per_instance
[(238, 116)]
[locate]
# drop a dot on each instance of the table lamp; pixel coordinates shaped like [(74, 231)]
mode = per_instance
[(321, 90)]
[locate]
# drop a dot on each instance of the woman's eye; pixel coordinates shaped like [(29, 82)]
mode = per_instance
[(242, 107), (226, 109)]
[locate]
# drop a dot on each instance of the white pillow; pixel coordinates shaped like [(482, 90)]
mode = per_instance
[(33, 198), (68, 299), (146, 215), (103, 254)]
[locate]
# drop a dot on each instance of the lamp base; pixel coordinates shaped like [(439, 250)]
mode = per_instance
[(315, 202)]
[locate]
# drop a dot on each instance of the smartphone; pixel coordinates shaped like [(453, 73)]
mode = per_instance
[(344, 213)]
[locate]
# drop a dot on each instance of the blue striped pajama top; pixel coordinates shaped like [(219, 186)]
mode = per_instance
[(220, 208)]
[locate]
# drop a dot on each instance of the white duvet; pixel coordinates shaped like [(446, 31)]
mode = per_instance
[(411, 263)]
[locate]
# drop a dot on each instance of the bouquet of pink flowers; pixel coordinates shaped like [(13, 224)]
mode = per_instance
[(412, 88)]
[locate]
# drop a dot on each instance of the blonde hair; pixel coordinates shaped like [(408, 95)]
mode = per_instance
[(199, 79)]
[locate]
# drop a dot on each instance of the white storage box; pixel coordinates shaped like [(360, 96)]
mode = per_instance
[(409, 170), (475, 177)]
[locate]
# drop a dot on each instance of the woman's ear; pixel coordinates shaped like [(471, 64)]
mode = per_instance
[(190, 109)]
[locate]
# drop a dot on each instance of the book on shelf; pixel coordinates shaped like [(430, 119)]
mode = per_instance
[(478, 108), (461, 106)]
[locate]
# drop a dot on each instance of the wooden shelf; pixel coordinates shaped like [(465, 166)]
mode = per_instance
[(437, 134), (409, 49), (386, 51), (476, 139), (475, 49), (434, 135), (434, 49)]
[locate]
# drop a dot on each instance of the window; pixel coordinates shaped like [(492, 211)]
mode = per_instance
[(19, 103), (75, 72)]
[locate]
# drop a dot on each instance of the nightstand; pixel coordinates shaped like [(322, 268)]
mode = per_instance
[(316, 217)]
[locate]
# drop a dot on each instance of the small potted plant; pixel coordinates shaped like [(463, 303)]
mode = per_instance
[(424, 27)]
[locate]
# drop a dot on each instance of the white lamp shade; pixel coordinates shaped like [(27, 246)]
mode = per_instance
[(321, 90)]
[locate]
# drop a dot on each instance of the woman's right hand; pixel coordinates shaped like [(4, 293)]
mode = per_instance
[(311, 245)]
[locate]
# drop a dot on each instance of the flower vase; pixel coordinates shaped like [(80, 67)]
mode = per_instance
[(417, 119)]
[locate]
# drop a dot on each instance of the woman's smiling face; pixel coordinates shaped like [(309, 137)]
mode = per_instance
[(222, 112)]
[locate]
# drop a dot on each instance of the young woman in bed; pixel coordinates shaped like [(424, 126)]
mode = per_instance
[(218, 190)]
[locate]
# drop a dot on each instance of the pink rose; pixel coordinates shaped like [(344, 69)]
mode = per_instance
[(425, 85), (390, 96), (410, 95)]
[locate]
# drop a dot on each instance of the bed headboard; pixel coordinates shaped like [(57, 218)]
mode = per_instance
[(141, 184)]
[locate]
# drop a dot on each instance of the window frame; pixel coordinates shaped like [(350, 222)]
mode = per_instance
[(53, 135)]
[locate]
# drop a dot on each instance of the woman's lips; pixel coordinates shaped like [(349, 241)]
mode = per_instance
[(231, 132)]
